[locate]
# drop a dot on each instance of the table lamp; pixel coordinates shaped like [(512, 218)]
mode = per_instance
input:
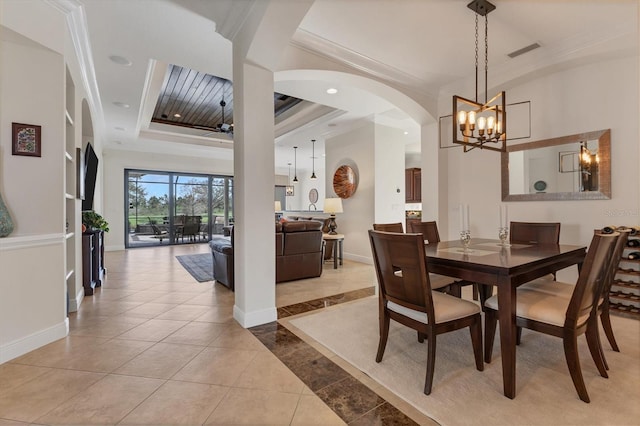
[(332, 206)]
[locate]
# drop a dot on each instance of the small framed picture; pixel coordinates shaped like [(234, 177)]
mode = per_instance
[(26, 140)]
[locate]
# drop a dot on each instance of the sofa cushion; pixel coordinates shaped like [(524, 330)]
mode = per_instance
[(301, 225), (222, 245)]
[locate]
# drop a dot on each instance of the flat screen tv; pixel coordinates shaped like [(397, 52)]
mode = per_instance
[(91, 172)]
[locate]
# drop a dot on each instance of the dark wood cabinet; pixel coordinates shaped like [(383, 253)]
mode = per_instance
[(92, 260), (413, 185)]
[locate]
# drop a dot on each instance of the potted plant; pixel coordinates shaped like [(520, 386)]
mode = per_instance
[(93, 221)]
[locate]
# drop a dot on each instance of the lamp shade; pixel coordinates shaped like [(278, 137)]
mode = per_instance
[(333, 205), (278, 206)]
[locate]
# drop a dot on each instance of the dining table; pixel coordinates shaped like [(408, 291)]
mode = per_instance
[(506, 267)]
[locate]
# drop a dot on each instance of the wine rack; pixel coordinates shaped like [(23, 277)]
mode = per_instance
[(624, 297)]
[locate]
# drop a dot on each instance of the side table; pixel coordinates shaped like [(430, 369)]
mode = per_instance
[(337, 247)]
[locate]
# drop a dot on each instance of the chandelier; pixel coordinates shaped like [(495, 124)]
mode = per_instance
[(289, 191), (475, 124)]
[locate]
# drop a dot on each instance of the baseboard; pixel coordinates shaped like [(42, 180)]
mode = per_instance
[(254, 318), (33, 341), (74, 303), (358, 258)]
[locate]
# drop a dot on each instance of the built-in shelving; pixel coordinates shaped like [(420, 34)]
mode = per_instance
[(71, 204)]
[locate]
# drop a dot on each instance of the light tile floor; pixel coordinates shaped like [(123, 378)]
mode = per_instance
[(153, 346)]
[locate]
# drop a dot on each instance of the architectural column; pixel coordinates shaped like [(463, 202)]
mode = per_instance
[(257, 47), (430, 151)]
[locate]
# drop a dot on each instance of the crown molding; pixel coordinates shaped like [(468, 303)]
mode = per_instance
[(77, 25), (334, 52)]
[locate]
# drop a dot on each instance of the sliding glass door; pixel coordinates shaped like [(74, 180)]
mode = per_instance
[(175, 208)]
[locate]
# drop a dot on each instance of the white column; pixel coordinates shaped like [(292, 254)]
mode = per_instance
[(254, 247)]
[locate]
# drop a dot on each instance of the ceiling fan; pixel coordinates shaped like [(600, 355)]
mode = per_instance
[(224, 127)]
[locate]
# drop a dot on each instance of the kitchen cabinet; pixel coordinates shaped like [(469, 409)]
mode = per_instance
[(413, 185)]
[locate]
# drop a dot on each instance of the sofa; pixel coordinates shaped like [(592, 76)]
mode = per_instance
[(299, 253), (328, 250)]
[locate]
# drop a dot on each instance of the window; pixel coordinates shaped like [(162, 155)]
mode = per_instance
[(175, 208)]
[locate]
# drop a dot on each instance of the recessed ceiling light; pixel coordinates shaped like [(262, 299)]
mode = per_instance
[(120, 60), (332, 91), (121, 104), (176, 115), (406, 133), (119, 128)]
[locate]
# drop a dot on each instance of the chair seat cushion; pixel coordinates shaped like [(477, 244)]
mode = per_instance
[(438, 281), (538, 306), (554, 288), (446, 308)]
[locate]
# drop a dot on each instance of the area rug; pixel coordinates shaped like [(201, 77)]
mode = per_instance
[(462, 395), (200, 266)]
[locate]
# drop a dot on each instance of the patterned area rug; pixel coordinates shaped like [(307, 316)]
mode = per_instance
[(200, 266)]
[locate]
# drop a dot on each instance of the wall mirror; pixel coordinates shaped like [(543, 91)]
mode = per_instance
[(575, 167)]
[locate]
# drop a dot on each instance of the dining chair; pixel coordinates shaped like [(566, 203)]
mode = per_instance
[(429, 231), (534, 232), (563, 317), (389, 227), (406, 296), (566, 290)]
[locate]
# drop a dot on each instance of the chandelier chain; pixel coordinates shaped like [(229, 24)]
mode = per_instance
[(486, 56), (476, 57)]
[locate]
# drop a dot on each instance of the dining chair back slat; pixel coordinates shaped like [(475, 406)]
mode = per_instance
[(429, 230), (534, 232), (389, 227)]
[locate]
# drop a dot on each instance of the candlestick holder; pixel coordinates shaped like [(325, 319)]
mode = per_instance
[(503, 234), (465, 239)]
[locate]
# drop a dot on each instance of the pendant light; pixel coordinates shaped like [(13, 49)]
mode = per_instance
[(295, 164), (477, 125), (313, 160), (289, 188)]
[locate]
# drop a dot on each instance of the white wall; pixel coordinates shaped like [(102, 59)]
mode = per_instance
[(33, 39), (592, 97), (115, 161), (389, 165), (355, 149)]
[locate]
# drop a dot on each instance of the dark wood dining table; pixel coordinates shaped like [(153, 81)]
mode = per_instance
[(506, 268)]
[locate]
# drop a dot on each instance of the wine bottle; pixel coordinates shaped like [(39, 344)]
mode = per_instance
[(634, 255), (633, 243), (608, 230)]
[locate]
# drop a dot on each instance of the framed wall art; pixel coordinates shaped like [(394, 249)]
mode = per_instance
[(26, 140)]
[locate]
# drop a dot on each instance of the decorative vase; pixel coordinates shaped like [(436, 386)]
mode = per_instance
[(6, 224)]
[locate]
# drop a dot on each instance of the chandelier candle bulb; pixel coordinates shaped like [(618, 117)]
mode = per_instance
[(491, 121), (471, 118)]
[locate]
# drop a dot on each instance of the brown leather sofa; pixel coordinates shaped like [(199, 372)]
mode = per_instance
[(299, 251)]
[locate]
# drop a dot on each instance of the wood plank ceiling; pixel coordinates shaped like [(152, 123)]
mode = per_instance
[(193, 99)]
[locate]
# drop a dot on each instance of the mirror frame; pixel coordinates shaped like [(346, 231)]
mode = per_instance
[(604, 153)]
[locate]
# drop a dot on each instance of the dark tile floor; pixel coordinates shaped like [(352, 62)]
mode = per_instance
[(351, 400)]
